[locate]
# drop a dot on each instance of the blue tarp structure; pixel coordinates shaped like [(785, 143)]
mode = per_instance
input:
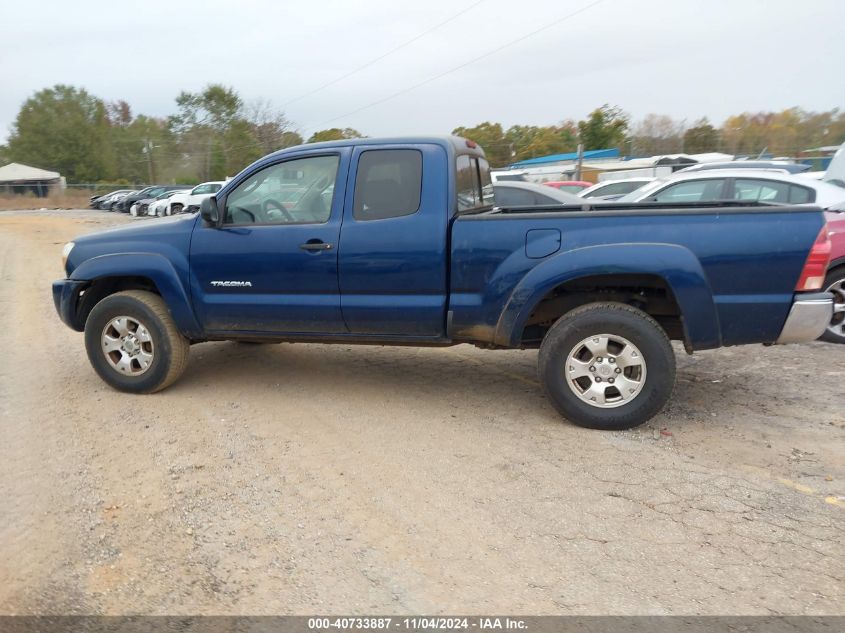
[(592, 154)]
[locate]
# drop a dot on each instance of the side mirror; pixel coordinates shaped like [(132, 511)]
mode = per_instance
[(209, 211)]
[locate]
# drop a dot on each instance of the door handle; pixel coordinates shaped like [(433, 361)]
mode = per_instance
[(315, 246)]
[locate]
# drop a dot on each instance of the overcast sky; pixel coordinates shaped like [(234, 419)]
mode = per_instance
[(686, 58)]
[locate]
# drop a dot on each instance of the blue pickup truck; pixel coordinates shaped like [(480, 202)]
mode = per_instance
[(400, 242)]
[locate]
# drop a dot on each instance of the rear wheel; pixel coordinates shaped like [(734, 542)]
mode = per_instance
[(607, 366), (133, 344), (835, 283)]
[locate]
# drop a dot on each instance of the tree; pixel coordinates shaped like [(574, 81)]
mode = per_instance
[(65, 129), (657, 134), (270, 127), (528, 141), (334, 134), (605, 127), (203, 121), (701, 137), (492, 139), (215, 107)]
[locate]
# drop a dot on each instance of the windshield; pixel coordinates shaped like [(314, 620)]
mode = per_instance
[(644, 191)]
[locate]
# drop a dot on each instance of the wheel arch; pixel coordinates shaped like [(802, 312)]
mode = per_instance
[(109, 274), (836, 263), (629, 273)]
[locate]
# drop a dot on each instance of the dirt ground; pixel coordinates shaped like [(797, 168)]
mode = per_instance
[(303, 479)]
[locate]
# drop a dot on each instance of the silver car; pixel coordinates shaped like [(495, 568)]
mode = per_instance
[(749, 185)]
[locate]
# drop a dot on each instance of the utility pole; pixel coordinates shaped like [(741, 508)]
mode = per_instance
[(148, 150), (580, 163)]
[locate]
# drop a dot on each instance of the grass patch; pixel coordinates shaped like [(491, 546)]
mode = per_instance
[(66, 200)]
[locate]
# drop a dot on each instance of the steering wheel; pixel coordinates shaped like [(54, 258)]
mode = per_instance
[(271, 207)]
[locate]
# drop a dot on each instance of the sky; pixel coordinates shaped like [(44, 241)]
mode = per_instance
[(397, 67)]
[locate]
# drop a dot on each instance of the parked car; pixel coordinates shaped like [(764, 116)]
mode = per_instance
[(415, 252), (507, 175), (834, 281), (158, 207), (518, 194), (140, 207), (613, 189), (791, 168), (190, 200), (569, 186), (763, 185), (106, 202), (126, 203)]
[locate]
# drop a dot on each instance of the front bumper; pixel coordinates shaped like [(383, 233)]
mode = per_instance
[(66, 299), (808, 318)]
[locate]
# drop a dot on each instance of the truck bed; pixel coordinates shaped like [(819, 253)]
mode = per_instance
[(730, 267)]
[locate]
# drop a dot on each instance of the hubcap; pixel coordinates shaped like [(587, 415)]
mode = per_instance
[(605, 371), (127, 346), (837, 322)]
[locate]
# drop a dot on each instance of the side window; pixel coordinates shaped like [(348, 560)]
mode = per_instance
[(200, 189), (388, 184), (801, 195), (298, 191), (214, 188), (487, 198), (692, 191), (474, 185), (513, 197), (544, 200), (467, 178), (761, 190)]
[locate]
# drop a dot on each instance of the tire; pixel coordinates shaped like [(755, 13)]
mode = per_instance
[(156, 341), (835, 283), (174, 209), (633, 369)]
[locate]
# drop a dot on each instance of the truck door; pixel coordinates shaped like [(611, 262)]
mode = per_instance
[(272, 266), (393, 244)]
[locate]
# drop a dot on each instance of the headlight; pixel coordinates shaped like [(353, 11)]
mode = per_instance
[(65, 252)]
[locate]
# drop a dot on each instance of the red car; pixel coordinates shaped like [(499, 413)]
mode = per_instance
[(835, 280), (570, 186)]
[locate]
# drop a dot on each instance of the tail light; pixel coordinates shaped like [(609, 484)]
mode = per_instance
[(815, 268)]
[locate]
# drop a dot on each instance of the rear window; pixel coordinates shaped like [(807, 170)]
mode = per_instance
[(388, 184), (473, 183)]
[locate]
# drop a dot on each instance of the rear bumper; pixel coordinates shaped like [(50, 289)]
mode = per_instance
[(66, 300), (808, 317)]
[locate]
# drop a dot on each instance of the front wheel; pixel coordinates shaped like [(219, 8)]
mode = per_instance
[(835, 283), (607, 366), (133, 344), (174, 209)]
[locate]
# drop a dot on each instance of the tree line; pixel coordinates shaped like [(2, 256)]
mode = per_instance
[(214, 133), (785, 133)]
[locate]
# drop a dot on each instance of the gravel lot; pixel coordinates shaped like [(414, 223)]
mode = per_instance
[(342, 479)]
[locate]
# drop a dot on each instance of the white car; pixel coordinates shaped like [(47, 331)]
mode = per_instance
[(614, 188), (159, 207), (190, 200), (760, 185)]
